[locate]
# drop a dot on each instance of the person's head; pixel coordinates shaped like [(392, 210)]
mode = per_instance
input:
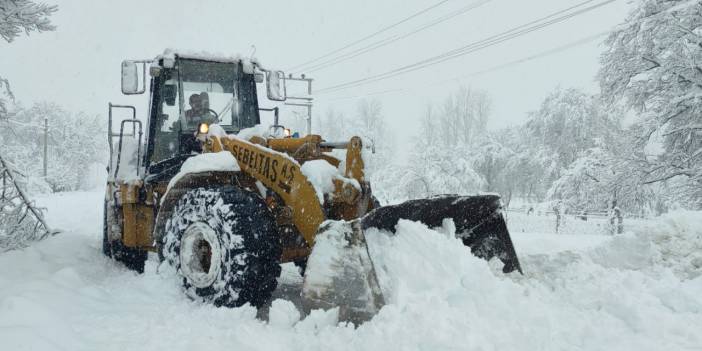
[(195, 102), (205, 100)]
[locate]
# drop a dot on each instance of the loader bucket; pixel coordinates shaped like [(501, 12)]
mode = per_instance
[(340, 271), (478, 219)]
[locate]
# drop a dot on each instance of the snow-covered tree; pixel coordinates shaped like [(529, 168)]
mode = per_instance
[(463, 116), (454, 153), (75, 142), (652, 66), (17, 16), (597, 178), (495, 163), (21, 222), (369, 122), (569, 122), (333, 126), (437, 169), (6, 97)]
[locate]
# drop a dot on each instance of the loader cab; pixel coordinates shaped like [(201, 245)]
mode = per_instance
[(185, 90), (191, 91)]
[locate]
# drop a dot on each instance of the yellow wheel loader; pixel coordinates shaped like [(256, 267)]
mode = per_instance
[(225, 202)]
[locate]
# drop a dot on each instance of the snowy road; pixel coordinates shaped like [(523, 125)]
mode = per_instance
[(639, 291)]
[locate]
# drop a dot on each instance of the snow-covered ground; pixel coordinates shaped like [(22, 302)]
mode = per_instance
[(637, 291)]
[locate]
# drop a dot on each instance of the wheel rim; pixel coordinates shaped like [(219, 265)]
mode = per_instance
[(200, 255)]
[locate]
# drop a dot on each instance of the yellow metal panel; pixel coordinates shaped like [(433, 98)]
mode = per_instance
[(144, 225), (307, 145), (129, 231), (138, 218), (281, 174), (354, 160)]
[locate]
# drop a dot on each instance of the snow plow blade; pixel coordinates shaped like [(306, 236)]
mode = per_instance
[(478, 220), (340, 271)]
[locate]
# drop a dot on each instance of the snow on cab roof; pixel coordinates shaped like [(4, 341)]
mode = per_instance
[(171, 54)]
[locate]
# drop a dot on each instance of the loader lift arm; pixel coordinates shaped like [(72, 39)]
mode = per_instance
[(281, 174)]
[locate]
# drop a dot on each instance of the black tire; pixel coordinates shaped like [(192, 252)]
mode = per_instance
[(224, 244), (132, 257)]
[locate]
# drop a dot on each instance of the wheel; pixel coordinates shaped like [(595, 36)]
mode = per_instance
[(132, 257), (224, 244)]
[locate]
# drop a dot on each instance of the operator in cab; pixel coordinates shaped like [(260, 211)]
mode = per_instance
[(199, 111)]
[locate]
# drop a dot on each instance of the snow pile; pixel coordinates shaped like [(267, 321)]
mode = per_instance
[(214, 161), (673, 242), (63, 294), (283, 313), (327, 261), (442, 297)]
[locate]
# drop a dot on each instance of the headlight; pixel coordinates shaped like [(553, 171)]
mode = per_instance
[(203, 128)]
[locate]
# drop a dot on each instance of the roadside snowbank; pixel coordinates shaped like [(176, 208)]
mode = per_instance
[(623, 294), (672, 243), (638, 291)]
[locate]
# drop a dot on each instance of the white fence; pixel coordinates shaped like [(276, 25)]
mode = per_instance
[(595, 223)]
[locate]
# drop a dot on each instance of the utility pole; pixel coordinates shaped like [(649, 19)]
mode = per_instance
[(307, 100), (46, 146)]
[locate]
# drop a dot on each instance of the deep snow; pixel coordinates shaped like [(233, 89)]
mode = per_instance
[(637, 291)]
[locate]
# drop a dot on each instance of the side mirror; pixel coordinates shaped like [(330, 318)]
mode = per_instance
[(169, 94), (130, 78), (276, 85)]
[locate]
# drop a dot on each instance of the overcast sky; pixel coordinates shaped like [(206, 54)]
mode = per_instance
[(78, 64)]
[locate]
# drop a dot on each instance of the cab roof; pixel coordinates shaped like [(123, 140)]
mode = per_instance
[(172, 54)]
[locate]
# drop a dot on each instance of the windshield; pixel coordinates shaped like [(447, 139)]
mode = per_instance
[(201, 92), (209, 91)]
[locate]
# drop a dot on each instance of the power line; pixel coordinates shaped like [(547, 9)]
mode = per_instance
[(382, 30), (472, 47), (541, 54), (378, 44)]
